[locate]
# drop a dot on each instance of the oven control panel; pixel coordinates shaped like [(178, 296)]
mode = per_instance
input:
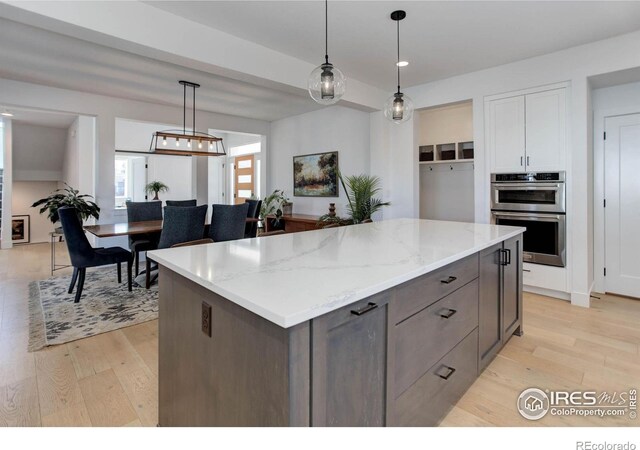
[(528, 177)]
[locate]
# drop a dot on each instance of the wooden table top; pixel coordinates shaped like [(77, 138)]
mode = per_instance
[(307, 218), (125, 228), (130, 228)]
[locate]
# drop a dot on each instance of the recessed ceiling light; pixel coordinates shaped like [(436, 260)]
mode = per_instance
[(402, 63)]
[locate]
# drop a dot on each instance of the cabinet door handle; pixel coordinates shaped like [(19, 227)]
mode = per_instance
[(370, 307), (521, 158), (451, 371), (449, 280), (505, 257), (448, 314), (526, 270), (528, 161), (508, 255)]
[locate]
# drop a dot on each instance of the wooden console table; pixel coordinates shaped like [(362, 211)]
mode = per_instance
[(294, 223)]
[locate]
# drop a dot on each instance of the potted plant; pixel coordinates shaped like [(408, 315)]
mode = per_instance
[(273, 205), (155, 187), (67, 197), (361, 193)]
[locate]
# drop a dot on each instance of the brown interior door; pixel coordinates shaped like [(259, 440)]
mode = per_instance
[(243, 179)]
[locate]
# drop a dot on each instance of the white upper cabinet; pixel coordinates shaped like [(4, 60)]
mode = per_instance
[(527, 132), (545, 130), (506, 134)]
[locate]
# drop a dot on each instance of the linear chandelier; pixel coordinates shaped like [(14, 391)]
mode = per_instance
[(183, 143)]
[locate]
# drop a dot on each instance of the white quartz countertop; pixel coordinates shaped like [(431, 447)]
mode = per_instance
[(291, 278)]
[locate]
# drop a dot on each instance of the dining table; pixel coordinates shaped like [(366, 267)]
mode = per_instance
[(132, 228)]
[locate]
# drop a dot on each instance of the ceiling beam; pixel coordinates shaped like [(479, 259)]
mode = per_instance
[(141, 29)]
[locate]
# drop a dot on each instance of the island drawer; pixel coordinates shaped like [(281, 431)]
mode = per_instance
[(427, 336), (429, 399), (417, 294)]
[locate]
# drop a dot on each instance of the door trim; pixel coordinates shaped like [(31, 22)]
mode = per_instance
[(599, 117)]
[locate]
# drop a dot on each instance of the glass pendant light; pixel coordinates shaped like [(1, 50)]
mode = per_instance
[(326, 83), (399, 107)]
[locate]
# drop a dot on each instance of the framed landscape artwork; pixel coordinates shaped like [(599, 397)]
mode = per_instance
[(20, 229), (315, 175)]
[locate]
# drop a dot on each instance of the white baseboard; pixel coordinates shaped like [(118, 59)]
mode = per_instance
[(547, 292)]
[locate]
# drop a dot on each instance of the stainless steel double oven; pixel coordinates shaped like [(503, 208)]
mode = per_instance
[(536, 201)]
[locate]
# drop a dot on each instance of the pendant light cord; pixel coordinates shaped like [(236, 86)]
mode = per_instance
[(184, 109), (398, 63), (326, 31)]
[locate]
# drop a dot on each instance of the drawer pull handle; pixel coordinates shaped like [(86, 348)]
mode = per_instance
[(448, 314), (448, 375), (449, 280), (370, 307), (526, 270)]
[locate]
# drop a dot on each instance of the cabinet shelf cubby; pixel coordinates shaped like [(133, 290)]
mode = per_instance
[(446, 153)]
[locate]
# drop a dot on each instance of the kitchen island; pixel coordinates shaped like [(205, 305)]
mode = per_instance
[(386, 323)]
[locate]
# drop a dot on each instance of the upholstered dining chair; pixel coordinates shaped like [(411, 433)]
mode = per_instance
[(193, 202), (228, 222), (251, 228), (140, 212), (181, 224), (83, 255)]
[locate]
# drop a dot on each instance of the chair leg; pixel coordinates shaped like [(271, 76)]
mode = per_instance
[(74, 278), (81, 273), (137, 258), (129, 280), (148, 273), (119, 273)]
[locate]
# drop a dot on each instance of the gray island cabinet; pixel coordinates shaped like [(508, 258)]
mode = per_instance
[(401, 356)]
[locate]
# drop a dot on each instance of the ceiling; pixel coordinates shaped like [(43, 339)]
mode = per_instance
[(38, 56), (42, 118), (439, 39)]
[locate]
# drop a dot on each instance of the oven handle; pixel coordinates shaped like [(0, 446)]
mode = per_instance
[(543, 217), (522, 187)]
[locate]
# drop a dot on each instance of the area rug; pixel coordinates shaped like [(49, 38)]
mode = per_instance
[(105, 306)]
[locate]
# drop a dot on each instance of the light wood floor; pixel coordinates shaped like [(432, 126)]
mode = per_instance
[(111, 379)]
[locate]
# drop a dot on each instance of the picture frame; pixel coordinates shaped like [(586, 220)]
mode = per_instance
[(21, 229), (316, 175)]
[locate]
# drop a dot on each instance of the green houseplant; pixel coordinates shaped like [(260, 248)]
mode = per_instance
[(67, 197), (155, 187), (273, 205), (362, 193)]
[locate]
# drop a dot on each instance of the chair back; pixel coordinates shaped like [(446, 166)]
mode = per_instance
[(142, 211), (182, 224), (251, 228), (80, 250), (193, 202), (228, 222)]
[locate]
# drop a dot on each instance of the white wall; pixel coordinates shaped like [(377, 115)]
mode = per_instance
[(38, 152), (451, 123), (23, 195), (7, 165), (574, 65), (609, 101), (330, 129)]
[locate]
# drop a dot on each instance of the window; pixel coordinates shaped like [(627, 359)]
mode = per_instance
[(129, 179), (245, 149)]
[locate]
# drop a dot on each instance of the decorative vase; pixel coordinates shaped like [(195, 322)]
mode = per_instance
[(332, 209)]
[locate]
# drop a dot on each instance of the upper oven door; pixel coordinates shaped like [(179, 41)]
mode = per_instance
[(536, 197)]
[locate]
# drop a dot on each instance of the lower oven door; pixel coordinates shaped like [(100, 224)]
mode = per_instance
[(544, 240)]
